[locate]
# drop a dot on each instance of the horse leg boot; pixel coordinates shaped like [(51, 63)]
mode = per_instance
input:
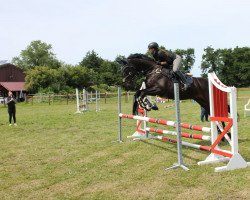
[(183, 79), (140, 99), (144, 101)]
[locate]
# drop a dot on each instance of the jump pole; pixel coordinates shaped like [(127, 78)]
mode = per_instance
[(96, 102), (183, 134), (180, 163), (166, 122), (77, 102), (84, 100)]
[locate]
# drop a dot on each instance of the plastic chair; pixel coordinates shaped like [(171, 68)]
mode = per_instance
[(247, 110)]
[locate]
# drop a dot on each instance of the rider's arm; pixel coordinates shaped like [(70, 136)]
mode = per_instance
[(162, 58)]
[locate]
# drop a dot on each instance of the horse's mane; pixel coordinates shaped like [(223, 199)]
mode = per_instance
[(140, 56)]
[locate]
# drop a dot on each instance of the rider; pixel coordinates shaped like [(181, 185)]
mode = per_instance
[(168, 60)]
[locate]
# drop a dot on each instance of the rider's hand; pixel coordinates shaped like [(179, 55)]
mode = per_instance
[(172, 73)]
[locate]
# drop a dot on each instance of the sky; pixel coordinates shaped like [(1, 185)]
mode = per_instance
[(122, 27)]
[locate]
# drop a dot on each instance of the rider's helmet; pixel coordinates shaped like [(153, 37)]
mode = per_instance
[(153, 45)]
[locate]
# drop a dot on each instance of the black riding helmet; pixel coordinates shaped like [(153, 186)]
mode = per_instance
[(153, 45)]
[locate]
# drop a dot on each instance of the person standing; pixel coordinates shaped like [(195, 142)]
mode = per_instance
[(11, 102), (204, 113)]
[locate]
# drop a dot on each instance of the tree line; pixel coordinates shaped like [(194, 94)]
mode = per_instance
[(232, 66), (45, 73)]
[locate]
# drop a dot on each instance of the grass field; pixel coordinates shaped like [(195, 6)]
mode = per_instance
[(56, 154)]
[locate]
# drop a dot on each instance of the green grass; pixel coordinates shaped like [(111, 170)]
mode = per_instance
[(56, 154)]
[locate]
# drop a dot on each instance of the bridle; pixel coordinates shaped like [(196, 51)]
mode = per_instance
[(131, 73)]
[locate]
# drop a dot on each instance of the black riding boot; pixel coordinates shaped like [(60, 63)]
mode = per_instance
[(183, 79)]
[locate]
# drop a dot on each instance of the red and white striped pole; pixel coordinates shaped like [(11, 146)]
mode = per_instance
[(165, 122), (183, 134)]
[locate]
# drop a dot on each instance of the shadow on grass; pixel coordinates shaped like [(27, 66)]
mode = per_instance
[(174, 149)]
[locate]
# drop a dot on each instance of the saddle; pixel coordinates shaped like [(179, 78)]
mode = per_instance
[(171, 75)]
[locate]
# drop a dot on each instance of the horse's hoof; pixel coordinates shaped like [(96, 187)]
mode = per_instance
[(148, 108), (155, 107)]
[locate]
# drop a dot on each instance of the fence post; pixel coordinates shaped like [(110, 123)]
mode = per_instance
[(119, 118), (178, 130)]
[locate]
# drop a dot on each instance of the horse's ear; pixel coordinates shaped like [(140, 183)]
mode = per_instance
[(122, 61)]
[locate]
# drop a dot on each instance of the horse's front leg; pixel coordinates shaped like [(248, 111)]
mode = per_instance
[(135, 102), (144, 101)]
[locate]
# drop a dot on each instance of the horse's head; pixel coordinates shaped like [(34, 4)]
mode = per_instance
[(128, 72), (132, 66)]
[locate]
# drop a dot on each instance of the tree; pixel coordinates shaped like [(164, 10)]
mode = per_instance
[(188, 58), (231, 65), (92, 61), (80, 77), (110, 73), (44, 78), (211, 61), (236, 66), (38, 53)]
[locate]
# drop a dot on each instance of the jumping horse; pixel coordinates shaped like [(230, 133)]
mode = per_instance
[(160, 81)]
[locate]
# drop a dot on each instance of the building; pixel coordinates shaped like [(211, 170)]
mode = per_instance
[(12, 79)]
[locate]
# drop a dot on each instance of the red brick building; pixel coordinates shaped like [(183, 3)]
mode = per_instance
[(12, 79)]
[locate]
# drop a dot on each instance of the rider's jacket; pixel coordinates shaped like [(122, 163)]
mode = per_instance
[(165, 56)]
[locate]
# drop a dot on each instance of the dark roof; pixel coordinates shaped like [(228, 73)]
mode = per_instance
[(6, 64), (11, 73)]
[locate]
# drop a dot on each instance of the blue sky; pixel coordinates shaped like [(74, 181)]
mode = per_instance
[(121, 27)]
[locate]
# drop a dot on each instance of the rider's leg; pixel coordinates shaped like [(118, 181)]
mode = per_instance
[(176, 67), (183, 79)]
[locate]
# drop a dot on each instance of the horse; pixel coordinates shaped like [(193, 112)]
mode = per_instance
[(160, 81)]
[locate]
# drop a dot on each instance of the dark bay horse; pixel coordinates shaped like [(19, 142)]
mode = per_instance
[(159, 81)]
